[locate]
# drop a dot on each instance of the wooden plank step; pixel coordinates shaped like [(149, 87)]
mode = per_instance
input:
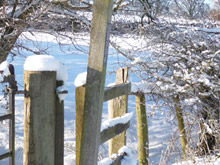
[(111, 132), (116, 91)]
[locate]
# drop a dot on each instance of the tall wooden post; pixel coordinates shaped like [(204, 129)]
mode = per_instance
[(142, 130), (118, 107), (39, 119), (180, 123), (94, 90)]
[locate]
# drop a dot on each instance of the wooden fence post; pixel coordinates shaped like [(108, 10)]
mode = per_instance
[(94, 89), (79, 110), (180, 123), (142, 129), (118, 107), (39, 119)]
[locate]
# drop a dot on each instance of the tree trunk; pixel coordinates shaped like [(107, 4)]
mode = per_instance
[(6, 45), (181, 127)]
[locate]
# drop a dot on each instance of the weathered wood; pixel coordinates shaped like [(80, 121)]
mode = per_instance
[(19, 93), (180, 123), (59, 129), (111, 132), (12, 90), (116, 91), (94, 91), (39, 119), (116, 108), (5, 117), (11, 116), (142, 130), (12, 125), (5, 155), (79, 109)]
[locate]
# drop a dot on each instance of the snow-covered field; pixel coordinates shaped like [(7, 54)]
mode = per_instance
[(161, 123)]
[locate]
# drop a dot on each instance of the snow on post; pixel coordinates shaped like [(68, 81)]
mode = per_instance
[(48, 63), (80, 79)]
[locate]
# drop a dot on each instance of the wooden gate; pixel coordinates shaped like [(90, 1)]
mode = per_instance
[(12, 90)]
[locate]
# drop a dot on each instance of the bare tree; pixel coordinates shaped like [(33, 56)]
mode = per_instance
[(152, 8), (215, 13), (13, 20), (189, 8), (18, 16)]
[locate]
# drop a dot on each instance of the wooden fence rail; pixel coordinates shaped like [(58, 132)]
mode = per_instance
[(116, 91), (111, 132), (6, 117)]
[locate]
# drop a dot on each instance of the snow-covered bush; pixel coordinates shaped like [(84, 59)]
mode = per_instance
[(181, 58)]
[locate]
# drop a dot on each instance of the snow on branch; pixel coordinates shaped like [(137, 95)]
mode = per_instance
[(24, 10), (212, 30), (144, 86), (72, 14)]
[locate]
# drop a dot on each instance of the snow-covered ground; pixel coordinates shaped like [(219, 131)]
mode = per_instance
[(160, 128), (161, 123)]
